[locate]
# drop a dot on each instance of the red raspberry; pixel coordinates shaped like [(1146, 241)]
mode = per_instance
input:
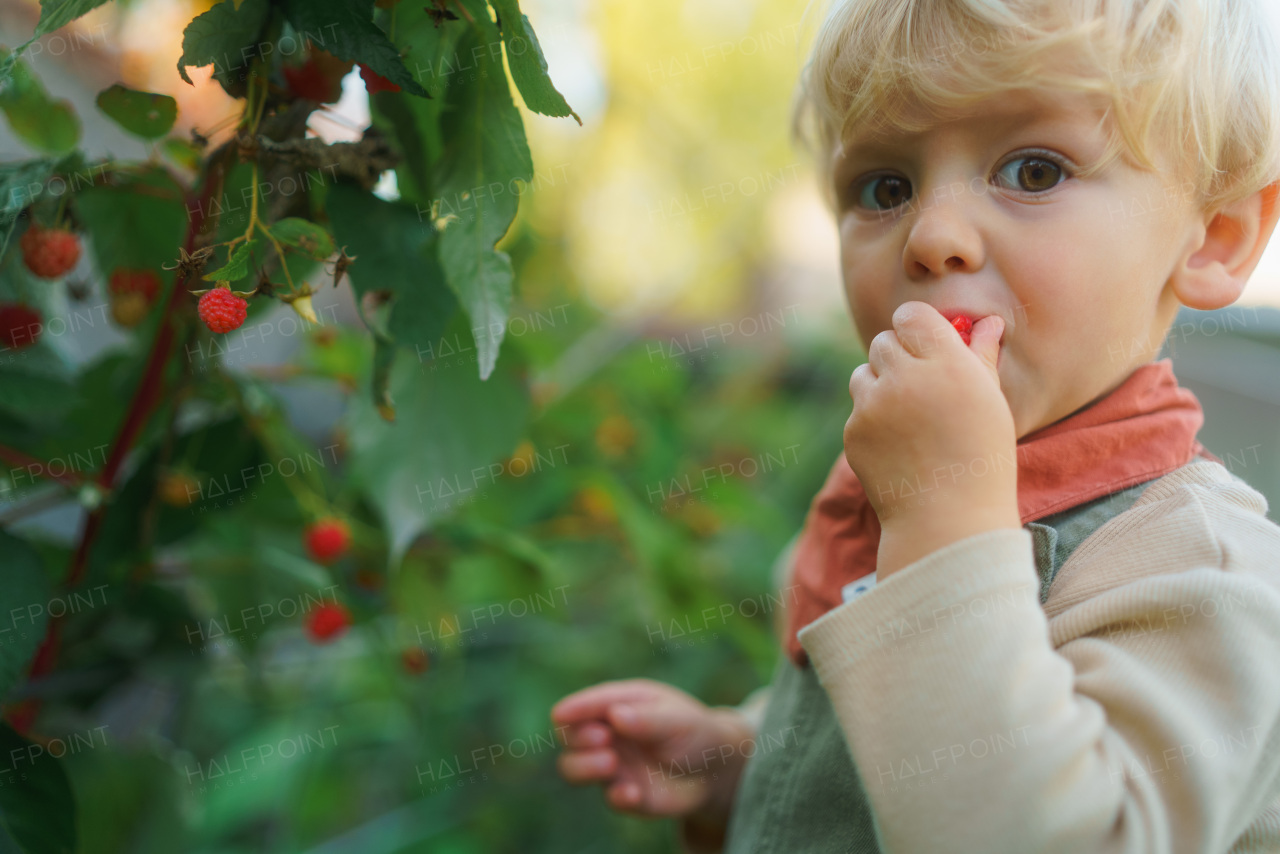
[(319, 78), (20, 326), (49, 252), (415, 660), (328, 621), (327, 540), (964, 326), (221, 310), (375, 82)]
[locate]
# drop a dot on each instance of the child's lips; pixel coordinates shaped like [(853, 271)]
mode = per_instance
[(953, 314), (954, 317)]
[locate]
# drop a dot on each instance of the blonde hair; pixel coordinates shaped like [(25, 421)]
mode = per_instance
[(1196, 78)]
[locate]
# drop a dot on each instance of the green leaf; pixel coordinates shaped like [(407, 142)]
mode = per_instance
[(21, 184), (345, 29), (145, 114), (469, 425), (24, 601), (486, 152), (220, 35), (139, 224), (55, 14), (528, 65), (237, 266), (384, 358), (183, 151), (412, 125), (393, 245), (31, 394), (38, 120), (305, 236), (38, 815)]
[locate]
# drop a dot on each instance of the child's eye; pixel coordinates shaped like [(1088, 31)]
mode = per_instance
[(883, 192), (1033, 174)]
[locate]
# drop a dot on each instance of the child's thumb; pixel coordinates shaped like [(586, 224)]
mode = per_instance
[(984, 339)]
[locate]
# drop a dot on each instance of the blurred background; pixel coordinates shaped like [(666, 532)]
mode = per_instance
[(680, 306)]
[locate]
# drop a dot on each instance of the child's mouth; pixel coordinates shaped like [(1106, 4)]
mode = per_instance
[(963, 324)]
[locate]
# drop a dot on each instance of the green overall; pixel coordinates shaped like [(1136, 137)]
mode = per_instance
[(800, 793)]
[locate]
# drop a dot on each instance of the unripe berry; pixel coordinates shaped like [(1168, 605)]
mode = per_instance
[(132, 293)]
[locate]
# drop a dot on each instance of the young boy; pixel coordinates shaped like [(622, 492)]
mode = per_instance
[(1034, 613)]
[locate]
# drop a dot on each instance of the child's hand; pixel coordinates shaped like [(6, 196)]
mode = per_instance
[(661, 751), (931, 437)]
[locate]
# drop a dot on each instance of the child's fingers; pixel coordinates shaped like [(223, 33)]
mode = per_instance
[(861, 380), (985, 339), (883, 350), (593, 702), (626, 795), (648, 723), (586, 735), (587, 766)]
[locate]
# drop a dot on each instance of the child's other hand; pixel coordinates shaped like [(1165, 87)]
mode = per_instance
[(931, 437), (659, 751)]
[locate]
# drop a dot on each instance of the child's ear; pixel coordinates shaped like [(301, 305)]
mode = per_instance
[(1215, 273)]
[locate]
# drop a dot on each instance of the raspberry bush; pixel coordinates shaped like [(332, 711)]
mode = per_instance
[(193, 656), (164, 433)]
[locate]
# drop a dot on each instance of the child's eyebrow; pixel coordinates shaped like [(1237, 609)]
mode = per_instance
[(893, 144)]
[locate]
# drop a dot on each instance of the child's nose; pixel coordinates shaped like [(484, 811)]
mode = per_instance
[(942, 239)]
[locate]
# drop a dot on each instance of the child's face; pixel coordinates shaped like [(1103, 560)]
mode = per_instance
[(984, 215)]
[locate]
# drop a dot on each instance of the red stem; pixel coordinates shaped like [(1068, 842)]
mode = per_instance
[(144, 399), (15, 457), (140, 408)]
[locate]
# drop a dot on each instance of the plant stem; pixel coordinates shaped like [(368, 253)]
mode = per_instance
[(71, 480), (279, 251), (253, 206)]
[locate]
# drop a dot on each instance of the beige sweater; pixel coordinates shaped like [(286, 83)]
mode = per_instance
[(1137, 710)]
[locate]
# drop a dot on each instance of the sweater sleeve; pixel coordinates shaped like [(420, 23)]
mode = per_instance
[(1145, 720)]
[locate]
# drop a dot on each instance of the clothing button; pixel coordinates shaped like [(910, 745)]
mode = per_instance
[(854, 589)]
